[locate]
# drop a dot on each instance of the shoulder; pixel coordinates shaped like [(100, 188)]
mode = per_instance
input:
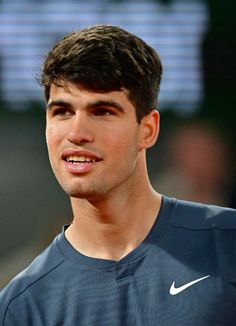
[(42, 265), (201, 216)]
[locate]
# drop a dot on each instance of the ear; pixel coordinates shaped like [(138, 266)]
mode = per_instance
[(149, 130)]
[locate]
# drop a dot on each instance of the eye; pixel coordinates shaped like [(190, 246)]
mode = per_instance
[(103, 112), (62, 112)]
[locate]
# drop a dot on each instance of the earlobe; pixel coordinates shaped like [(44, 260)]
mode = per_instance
[(149, 129)]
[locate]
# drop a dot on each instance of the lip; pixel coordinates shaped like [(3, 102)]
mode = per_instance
[(71, 152), (79, 168)]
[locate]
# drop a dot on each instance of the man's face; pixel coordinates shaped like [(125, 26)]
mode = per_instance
[(93, 141)]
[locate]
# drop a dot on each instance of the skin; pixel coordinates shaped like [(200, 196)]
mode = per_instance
[(113, 202)]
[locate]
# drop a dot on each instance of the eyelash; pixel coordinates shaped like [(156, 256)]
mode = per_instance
[(102, 112), (60, 111)]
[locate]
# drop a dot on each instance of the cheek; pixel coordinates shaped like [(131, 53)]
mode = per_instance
[(53, 135), (115, 140), (52, 140), (122, 142)]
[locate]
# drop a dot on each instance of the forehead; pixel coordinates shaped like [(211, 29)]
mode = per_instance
[(76, 94)]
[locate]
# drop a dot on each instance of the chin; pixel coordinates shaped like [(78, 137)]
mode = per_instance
[(86, 190), (82, 193)]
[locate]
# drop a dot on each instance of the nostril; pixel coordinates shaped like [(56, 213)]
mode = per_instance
[(79, 137), (77, 141)]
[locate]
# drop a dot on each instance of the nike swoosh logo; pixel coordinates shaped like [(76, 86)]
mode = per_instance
[(174, 290)]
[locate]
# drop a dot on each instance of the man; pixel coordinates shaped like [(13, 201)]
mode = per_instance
[(130, 255)]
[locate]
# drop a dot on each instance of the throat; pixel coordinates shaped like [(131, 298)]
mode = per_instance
[(111, 237), (109, 245)]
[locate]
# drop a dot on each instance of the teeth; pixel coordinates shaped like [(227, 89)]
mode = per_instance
[(80, 159)]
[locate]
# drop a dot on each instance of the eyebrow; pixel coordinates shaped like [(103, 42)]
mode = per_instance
[(107, 103), (60, 103), (92, 105)]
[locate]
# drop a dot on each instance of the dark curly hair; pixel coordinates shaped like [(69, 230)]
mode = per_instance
[(106, 58)]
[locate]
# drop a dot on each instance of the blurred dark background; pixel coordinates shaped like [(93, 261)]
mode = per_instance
[(194, 157)]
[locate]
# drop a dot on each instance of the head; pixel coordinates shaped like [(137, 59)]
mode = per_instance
[(101, 86), (103, 59)]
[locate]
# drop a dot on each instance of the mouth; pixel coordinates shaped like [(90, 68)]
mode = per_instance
[(79, 161)]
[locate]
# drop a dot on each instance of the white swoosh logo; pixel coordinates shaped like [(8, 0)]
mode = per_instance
[(174, 290)]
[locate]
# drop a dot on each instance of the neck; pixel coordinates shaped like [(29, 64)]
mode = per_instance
[(111, 228)]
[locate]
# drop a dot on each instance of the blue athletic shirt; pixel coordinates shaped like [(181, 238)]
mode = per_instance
[(184, 273)]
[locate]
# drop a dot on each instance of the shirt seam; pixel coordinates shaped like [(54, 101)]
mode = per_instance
[(27, 287)]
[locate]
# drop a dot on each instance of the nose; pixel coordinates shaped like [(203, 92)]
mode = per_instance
[(80, 130)]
